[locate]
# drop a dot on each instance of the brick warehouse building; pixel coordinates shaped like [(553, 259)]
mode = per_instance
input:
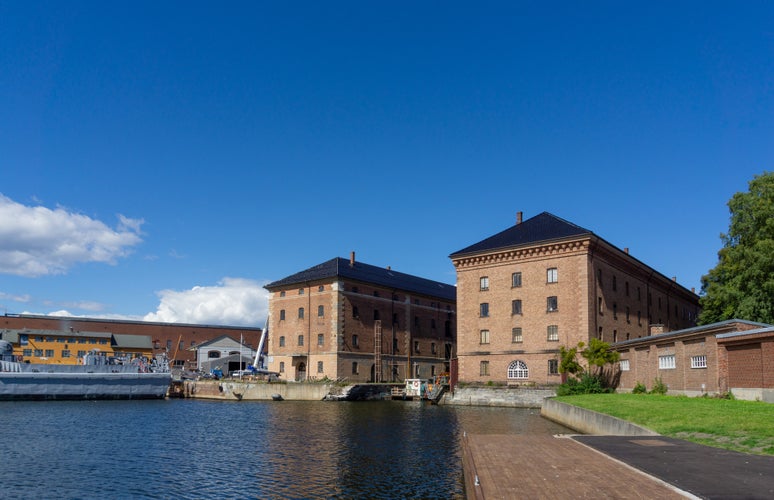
[(175, 339), (546, 282), (346, 320)]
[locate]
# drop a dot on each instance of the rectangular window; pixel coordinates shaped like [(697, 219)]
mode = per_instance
[(484, 283), (516, 280), (666, 362), (484, 368), (433, 349), (282, 341), (49, 353), (320, 339), (319, 367), (354, 367), (416, 346), (377, 317), (624, 364), (553, 367), (321, 288), (81, 354), (552, 275), (355, 341), (355, 312), (320, 311), (282, 293), (552, 304), (484, 310), (516, 307), (282, 367), (300, 340), (62, 340), (553, 333), (484, 336), (282, 315), (516, 335), (626, 287), (300, 313), (300, 291), (28, 352), (614, 283), (627, 314), (699, 361)]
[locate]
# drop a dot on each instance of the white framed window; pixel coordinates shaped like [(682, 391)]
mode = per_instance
[(319, 367), (699, 361), (516, 280), (518, 370), (553, 333), (484, 335), (516, 335), (624, 364), (320, 339), (484, 283), (282, 367), (553, 367), (552, 275), (666, 362)]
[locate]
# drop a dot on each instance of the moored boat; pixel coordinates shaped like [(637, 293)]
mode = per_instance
[(99, 377)]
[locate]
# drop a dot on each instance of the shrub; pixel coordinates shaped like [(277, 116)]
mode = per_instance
[(659, 387), (586, 384), (639, 388)]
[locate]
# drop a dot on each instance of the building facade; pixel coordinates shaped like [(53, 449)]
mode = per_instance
[(69, 348), (733, 355), (346, 320), (177, 340), (545, 283)]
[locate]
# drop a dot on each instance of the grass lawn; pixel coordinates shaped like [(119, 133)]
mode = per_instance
[(746, 426)]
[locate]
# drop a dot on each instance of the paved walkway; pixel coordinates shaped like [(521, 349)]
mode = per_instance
[(700, 470), (526, 466)]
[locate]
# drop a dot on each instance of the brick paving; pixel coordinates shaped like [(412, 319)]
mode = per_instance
[(536, 466)]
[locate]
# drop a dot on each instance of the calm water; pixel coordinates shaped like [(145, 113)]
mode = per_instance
[(208, 449)]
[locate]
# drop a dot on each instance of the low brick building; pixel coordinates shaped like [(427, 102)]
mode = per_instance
[(733, 355), (347, 320), (175, 339)]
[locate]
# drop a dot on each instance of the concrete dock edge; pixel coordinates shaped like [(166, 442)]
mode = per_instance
[(589, 421)]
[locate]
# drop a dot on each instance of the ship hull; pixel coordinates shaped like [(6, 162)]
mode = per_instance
[(82, 386)]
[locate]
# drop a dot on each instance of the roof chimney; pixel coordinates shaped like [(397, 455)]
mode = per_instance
[(389, 268), (674, 278), (626, 249), (352, 258), (518, 218)]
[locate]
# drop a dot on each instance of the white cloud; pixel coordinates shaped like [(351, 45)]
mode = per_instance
[(38, 241), (233, 302), (16, 298)]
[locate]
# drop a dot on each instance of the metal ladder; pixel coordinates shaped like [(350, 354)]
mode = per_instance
[(378, 351)]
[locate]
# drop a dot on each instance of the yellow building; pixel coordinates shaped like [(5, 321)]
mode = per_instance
[(69, 347)]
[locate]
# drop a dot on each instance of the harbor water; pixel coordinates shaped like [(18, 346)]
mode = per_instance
[(212, 449)]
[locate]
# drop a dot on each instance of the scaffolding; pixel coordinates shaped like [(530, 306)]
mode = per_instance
[(378, 351)]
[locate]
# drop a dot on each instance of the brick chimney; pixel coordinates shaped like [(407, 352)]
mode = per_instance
[(518, 218), (626, 250), (352, 258)]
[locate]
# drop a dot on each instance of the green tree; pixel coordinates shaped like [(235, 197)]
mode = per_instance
[(741, 285), (598, 354)]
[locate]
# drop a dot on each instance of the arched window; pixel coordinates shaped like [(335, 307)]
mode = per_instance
[(518, 370)]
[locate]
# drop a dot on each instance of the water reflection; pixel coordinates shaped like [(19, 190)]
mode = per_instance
[(201, 449)]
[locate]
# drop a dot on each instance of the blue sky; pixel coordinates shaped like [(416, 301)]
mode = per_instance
[(164, 160)]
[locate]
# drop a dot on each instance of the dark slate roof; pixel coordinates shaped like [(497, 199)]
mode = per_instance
[(542, 227), (366, 273)]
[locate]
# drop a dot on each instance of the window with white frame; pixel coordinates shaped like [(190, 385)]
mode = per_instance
[(552, 275), (699, 361), (484, 335), (666, 362), (516, 280), (516, 335), (624, 364), (484, 283), (553, 333), (319, 367), (518, 370), (553, 367)]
